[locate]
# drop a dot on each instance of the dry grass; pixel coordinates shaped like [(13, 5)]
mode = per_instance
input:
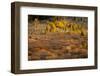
[(49, 43)]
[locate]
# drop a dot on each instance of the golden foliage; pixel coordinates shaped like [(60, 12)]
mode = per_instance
[(66, 26)]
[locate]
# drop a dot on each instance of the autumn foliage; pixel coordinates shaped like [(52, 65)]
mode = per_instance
[(59, 38)]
